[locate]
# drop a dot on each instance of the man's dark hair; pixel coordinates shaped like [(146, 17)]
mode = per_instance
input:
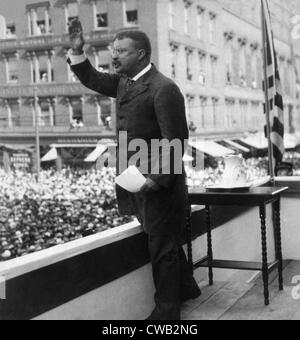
[(140, 38)]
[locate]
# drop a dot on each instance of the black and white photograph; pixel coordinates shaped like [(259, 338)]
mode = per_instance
[(149, 162)]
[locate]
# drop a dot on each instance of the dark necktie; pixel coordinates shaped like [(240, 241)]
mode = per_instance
[(128, 84)]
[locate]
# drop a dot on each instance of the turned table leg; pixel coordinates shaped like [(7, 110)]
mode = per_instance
[(265, 270), (209, 246)]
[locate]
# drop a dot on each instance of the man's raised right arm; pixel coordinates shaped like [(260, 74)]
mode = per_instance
[(104, 83)]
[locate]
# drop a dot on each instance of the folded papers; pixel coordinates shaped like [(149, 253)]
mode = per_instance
[(131, 179)]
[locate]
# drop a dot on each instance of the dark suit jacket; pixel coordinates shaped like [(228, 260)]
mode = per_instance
[(152, 108)]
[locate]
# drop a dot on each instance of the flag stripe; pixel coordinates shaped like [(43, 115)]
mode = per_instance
[(274, 91)]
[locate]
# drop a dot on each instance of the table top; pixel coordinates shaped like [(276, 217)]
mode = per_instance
[(253, 197)]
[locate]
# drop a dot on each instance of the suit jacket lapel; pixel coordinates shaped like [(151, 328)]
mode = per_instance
[(138, 88), (134, 91)]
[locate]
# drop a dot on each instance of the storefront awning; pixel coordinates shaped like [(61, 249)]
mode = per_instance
[(211, 148), (236, 145), (50, 155), (72, 146), (92, 157), (259, 141)]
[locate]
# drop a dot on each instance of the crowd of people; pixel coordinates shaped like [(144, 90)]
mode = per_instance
[(255, 167), (71, 204), (61, 207)]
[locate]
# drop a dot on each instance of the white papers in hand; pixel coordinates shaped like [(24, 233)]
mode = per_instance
[(131, 179)]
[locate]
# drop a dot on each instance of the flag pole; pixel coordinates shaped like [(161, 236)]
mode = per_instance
[(267, 103), (37, 134)]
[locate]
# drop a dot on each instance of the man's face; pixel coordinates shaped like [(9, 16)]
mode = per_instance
[(125, 56)]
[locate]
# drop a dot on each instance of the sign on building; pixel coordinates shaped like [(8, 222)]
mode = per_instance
[(12, 159)]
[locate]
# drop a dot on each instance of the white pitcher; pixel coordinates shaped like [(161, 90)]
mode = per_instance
[(235, 171)]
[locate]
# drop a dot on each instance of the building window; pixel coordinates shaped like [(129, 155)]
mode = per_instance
[(215, 112), (39, 22), (102, 20), (186, 17), (100, 14), (190, 106), (10, 31), (189, 63), (76, 111), (46, 112), (243, 81), (254, 71), (235, 54), (281, 71), (189, 99), (287, 79), (13, 117), (214, 66), (242, 73), (228, 64), (174, 51), (244, 114), (131, 12), (102, 59), (42, 70), (255, 116), (212, 28), (203, 107), (172, 14), (11, 63), (230, 113), (200, 22), (202, 68), (104, 111), (71, 12)]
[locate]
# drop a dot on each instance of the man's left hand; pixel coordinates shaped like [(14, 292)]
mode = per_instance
[(150, 186)]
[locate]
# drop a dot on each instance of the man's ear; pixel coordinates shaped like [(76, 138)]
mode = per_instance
[(142, 54)]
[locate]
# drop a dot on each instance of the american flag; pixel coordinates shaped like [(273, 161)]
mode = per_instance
[(274, 93)]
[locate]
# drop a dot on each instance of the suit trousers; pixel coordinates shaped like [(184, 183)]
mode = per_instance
[(171, 273)]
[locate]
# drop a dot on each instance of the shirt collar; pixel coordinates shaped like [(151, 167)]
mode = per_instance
[(144, 71)]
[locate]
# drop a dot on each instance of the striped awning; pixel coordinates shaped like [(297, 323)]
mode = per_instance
[(236, 145), (259, 141), (50, 155), (92, 157), (211, 148)]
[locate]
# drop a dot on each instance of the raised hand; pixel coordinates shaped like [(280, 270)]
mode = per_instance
[(76, 36)]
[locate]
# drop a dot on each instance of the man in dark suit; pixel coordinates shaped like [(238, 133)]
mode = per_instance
[(149, 106)]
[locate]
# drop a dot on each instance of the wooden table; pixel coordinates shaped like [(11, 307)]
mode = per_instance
[(255, 197)]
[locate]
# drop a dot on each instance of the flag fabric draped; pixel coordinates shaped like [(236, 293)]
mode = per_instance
[(274, 89)]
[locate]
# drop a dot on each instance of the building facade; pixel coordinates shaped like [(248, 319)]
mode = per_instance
[(33, 47), (211, 48), (216, 58)]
